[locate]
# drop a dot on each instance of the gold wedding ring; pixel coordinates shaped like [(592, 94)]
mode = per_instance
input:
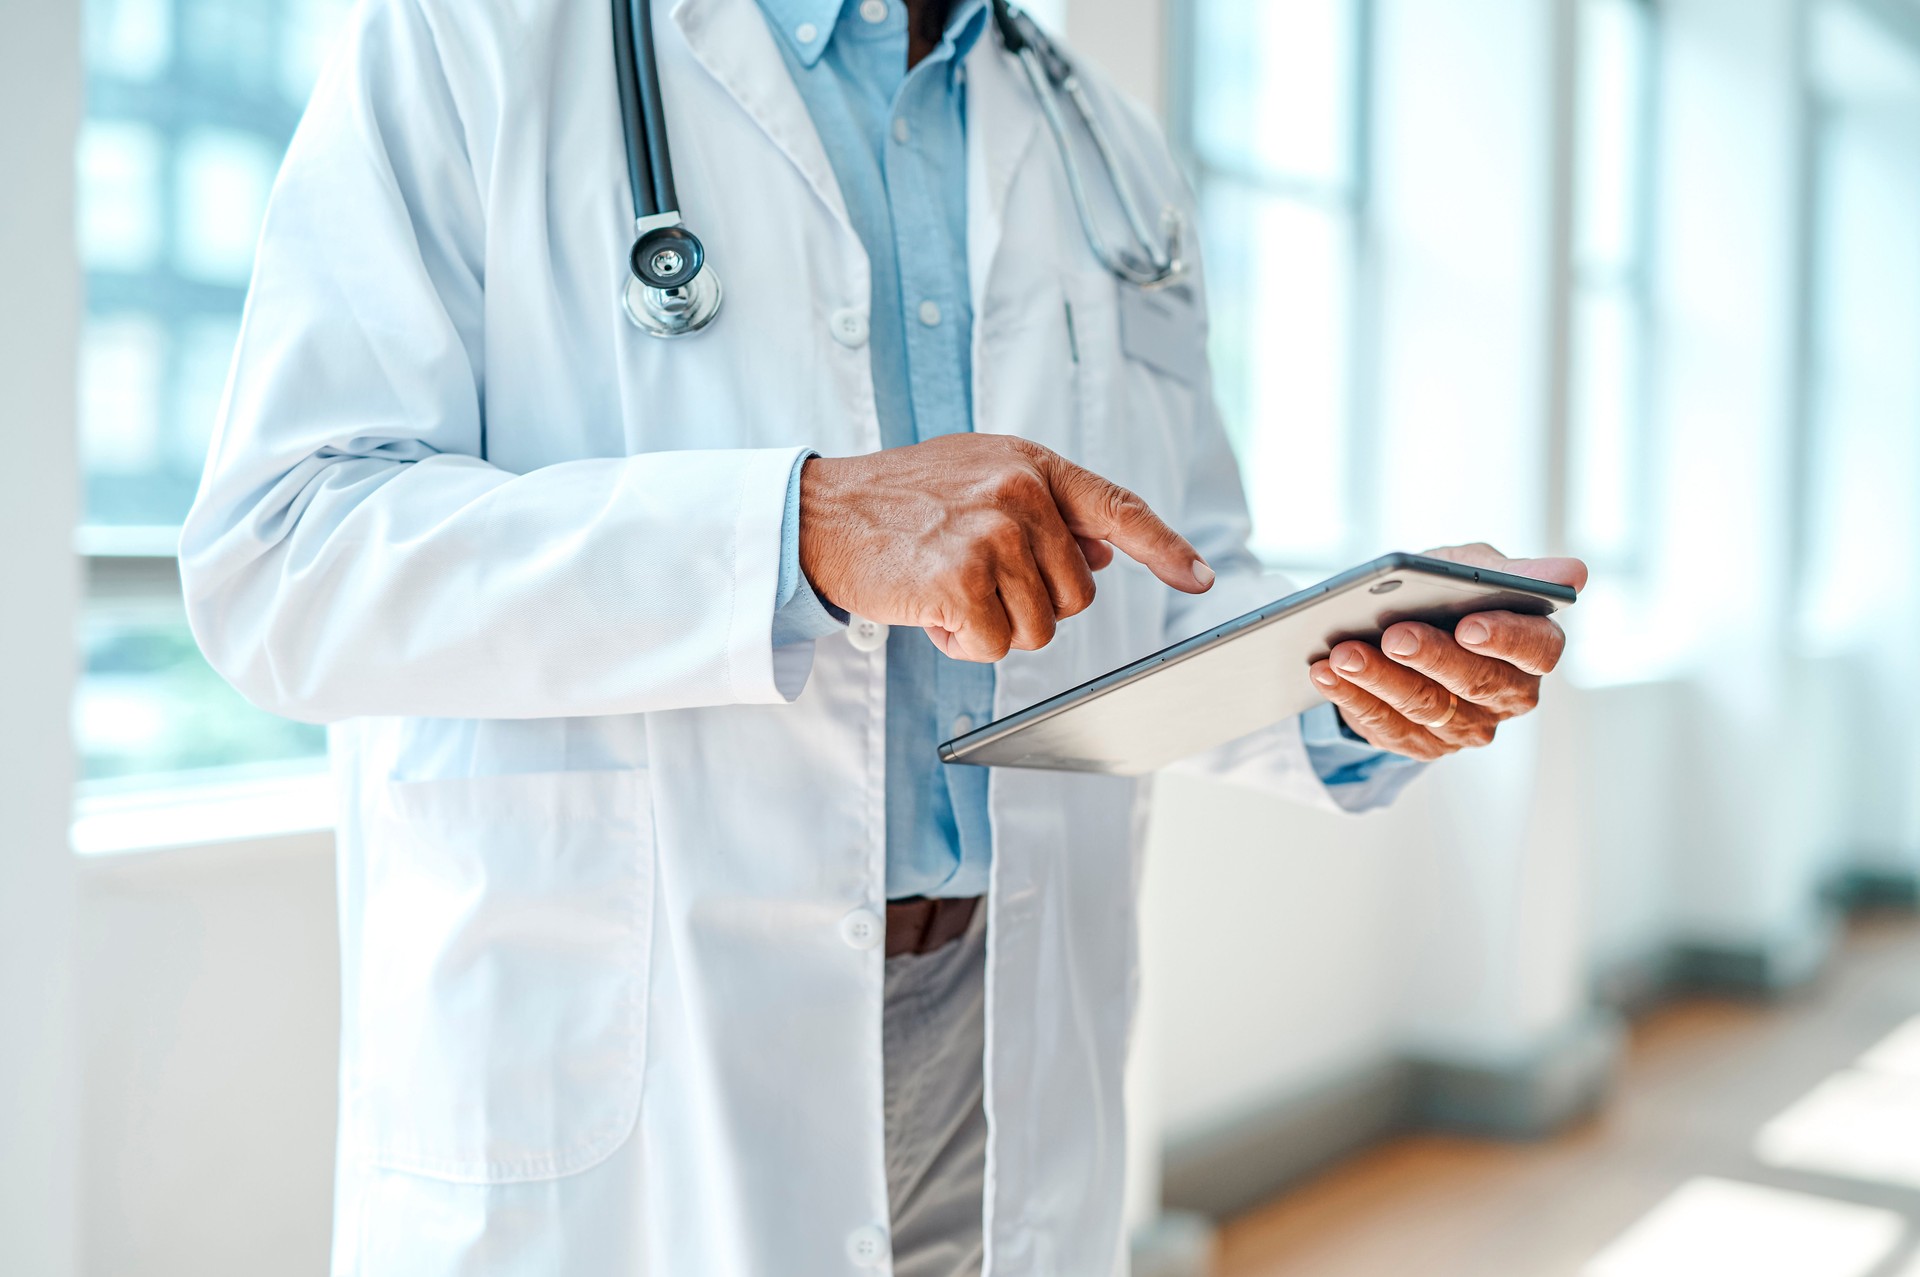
[(1453, 707)]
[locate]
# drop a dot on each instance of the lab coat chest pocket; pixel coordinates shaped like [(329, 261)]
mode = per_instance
[(1141, 364), (502, 1011)]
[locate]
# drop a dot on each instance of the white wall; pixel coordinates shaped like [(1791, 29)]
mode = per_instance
[(211, 1013), (39, 83)]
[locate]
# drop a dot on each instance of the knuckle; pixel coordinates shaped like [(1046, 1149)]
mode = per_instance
[(1485, 684), (1123, 505), (1428, 702), (1005, 533), (1017, 485), (1075, 598), (972, 578), (1556, 644)]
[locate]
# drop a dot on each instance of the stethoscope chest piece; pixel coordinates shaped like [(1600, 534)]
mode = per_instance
[(673, 312), (670, 290)]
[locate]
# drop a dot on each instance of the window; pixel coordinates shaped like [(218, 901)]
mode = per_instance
[(190, 104), (1609, 504), (1274, 131)]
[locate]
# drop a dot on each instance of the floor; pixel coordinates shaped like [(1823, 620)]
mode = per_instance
[(1745, 1140)]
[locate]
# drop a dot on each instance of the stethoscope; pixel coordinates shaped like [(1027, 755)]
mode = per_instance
[(672, 291)]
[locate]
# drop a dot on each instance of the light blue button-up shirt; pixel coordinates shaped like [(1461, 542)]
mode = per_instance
[(897, 141)]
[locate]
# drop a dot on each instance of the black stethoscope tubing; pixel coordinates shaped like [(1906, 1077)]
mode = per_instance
[(642, 117), (643, 125), (666, 257)]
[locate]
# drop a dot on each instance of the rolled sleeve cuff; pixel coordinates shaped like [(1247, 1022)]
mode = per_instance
[(1359, 776), (800, 615)]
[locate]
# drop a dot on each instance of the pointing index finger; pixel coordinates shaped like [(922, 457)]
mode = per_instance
[(1097, 509)]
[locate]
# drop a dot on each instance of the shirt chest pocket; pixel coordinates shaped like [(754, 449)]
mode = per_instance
[(500, 1027)]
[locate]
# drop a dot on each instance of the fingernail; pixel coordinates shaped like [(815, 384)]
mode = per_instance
[(1202, 573), (1351, 661), (1325, 677), (1473, 631), (1405, 643)]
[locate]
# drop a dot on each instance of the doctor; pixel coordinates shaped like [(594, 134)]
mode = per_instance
[(668, 947)]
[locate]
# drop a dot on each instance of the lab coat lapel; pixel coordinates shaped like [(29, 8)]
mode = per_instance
[(1001, 121), (731, 40)]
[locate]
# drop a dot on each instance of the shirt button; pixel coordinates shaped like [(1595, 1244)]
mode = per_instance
[(867, 1246), (963, 724), (806, 32), (862, 929), (929, 313), (873, 10), (849, 326), (865, 635), (900, 130)]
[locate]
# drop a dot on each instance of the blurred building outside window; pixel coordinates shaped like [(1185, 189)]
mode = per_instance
[(190, 105), (1274, 131), (1609, 497)]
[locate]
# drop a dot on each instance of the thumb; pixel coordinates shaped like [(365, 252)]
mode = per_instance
[(1561, 571), (1097, 510)]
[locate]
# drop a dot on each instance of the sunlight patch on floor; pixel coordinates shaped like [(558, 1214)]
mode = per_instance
[(1898, 1052), (1862, 1123), (1857, 1125), (1720, 1226)]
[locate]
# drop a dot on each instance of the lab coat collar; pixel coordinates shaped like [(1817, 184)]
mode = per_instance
[(730, 38), (1001, 120)]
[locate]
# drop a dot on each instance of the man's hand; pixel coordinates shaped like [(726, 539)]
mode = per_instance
[(1425, 693), (984, 541)]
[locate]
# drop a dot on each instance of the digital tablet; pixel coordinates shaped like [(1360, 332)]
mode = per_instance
[(1241, 676)]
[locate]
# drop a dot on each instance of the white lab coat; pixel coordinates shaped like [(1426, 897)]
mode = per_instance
[(602, 847)]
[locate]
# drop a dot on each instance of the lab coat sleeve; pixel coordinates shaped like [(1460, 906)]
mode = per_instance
[(351, 552)]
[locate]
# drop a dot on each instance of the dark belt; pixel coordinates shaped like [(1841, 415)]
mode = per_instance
[(921, 925)]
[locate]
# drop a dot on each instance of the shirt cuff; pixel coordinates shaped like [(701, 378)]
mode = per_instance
[(800, 615), (1341, 757)]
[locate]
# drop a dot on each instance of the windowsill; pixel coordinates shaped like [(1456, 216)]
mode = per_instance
[(280, 808)]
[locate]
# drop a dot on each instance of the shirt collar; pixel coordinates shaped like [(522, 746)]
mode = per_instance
[(791, 17), (964, 24)]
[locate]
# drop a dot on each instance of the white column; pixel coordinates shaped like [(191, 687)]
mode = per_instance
[(1729, 296), (1124, 38), (1859, 590), (40, 95)]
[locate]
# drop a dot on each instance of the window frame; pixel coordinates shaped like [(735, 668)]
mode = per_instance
[(1635, 286), (132, 570), (1354, 205)]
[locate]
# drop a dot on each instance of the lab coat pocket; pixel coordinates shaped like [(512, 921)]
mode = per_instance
[(1135, 411), (501, 1018)]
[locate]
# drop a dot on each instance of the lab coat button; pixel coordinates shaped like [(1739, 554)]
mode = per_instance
[(850, 327), (867, 1246), (862, 929), (865, 635)]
